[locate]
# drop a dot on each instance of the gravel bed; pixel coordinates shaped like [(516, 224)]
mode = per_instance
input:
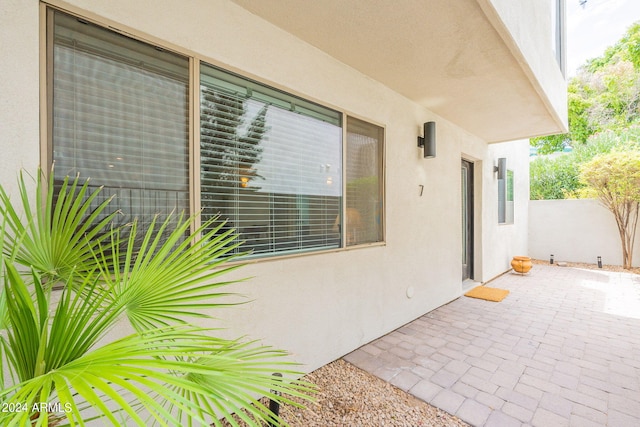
[(350, 397)]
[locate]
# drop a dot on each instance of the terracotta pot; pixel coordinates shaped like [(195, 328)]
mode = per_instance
[(521, 264)]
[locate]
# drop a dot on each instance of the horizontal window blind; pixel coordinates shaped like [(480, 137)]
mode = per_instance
[(120, 117), (270, 165), (363, 216)]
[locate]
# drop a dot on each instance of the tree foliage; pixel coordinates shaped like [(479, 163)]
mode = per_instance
[(605, 95), (230, 147), (552, 178), (614, 178), (558, 176)]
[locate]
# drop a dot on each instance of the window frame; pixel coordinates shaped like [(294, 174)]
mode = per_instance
[(558, 33), (284, 203), (194, 63), (506, 198), (104, 84), (348, 118)]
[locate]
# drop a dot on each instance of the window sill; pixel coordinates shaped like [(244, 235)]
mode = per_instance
[(303, 254)]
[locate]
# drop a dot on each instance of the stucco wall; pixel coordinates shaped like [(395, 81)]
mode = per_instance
[(318, 306), (19, 88), (575, 230), (503, 241), (528, 24)]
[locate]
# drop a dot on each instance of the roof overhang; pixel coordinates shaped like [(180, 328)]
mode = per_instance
[(455, 58)]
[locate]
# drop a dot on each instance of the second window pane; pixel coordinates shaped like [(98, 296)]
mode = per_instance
[(270, 165), (364, 183)]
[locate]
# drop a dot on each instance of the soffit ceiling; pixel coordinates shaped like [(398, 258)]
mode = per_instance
[(445, 55)]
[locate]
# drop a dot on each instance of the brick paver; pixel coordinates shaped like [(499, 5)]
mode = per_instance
[(562, 349)]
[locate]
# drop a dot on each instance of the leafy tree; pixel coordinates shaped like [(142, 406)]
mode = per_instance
[(580, 128), (605, 95), (558, 177), (550, 143), (580, 102), (615, 179), (627, 48), (228, 156), (615, 96), (553, 178), (225, 151), (604, 111), (57, 365)]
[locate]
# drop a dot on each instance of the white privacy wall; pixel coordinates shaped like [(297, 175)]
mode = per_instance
[(575, 230)]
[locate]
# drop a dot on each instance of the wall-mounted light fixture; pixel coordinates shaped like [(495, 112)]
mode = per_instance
[(501, 168), (429, 140)]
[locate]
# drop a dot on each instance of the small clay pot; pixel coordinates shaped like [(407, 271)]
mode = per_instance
[(521, 264)]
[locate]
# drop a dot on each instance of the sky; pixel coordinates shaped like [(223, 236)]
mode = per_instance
[(596, 26)]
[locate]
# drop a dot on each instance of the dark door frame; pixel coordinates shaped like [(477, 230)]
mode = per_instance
[(467, 201)]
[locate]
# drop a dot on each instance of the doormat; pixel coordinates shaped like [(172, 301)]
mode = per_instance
[(487, 293)]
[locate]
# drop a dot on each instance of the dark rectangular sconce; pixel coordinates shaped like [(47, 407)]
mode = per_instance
[(501, 168), (429, 140)]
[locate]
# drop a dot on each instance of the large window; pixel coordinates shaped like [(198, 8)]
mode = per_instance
[(270, 164), (286, 173), (120, 117)]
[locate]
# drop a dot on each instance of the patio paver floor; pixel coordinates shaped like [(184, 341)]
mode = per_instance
[(563, 349)]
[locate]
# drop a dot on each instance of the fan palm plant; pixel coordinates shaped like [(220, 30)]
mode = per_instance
[(69, 279)]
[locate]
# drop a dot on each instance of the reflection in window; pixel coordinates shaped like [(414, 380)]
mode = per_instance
[(120, 117), (270, 165), (364, 183)]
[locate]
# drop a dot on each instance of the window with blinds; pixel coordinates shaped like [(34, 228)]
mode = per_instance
[(120, 116), (273, 166), (363, 215), (270, 165)]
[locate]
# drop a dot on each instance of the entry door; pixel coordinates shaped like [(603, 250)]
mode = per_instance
[(467, 219)]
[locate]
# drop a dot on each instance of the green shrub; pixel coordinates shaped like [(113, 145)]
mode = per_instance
[(558, 176)]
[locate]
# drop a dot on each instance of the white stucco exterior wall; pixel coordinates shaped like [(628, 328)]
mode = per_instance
[(504, 241), (19, 89), (528, 24), (317, 306), (575, 230)]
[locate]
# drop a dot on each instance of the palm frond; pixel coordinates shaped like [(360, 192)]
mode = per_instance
[(168, 372), (167, 278), (164, 370), (54, 235)]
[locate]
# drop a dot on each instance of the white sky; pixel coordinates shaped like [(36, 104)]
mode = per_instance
[(596, 26)]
